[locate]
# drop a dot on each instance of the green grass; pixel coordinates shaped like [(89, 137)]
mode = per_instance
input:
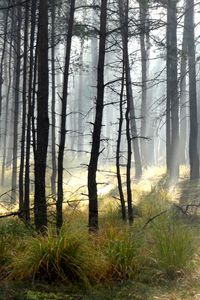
[(173, 246)]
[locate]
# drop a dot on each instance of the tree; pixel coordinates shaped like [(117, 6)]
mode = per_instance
[(32, 63), (59, 203), (53, 102), (123, 12), (96, 135), (118, 156), (24, 105), (40, 206), (193, 144), (17, 63), (183, 93)]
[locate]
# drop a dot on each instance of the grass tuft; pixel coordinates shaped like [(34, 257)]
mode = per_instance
[(68, 257)]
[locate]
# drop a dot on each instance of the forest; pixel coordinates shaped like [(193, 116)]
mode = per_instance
[(99, 149)]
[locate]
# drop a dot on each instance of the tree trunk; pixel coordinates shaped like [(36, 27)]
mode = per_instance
[(59, 203), (119, 179), (28, 129), (53, 112), (96, 135), (24, 102), (134, 134), (40, 207), (17, 64)]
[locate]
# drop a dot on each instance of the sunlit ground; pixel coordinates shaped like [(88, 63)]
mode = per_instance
[(75, 186)]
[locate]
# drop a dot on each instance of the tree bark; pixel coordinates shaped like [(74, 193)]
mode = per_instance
[(40, 207), (119, 178), (96, 135), (24, 102), (17, 64), (53, 103), (28, 128), (59, 203)]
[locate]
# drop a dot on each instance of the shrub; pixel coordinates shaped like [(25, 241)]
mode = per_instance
[(68, 257)]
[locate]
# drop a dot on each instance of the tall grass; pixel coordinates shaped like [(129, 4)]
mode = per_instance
[(12, 233), (173, 246), (68, 257), (163, 249)]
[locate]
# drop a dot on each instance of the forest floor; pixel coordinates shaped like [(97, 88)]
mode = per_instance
[(184, 287)]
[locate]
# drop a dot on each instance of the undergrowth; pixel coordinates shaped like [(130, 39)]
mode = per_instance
[(146, 252)]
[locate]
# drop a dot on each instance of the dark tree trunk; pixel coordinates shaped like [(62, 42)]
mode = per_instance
[(119, 178), (40, 206), (53, 91), (96, 135), (128, 113), (59, 203), (28, 129), (24, 102), (17, 65)]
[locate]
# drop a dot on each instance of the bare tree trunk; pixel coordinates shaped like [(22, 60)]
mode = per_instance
[(40, 207), (119, 179), (59, 203), (128, 111), (17, 64), (94, 63), (28, 128), (24, 102), (96, 135), (53, 112)]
